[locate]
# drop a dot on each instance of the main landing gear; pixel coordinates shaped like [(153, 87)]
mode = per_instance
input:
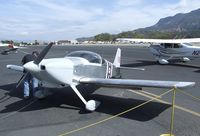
[(90, 105)]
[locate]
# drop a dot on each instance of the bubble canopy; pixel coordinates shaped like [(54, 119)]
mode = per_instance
[(90, 56)]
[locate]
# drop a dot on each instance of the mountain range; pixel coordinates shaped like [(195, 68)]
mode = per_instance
[(181, 25), (178, 23)]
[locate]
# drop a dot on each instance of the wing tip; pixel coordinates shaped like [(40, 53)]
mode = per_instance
[(184, 84)]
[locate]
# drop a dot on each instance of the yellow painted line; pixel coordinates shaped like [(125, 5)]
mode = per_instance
[(13, 113), (184, 64), (194, 97), (165, 102), (112, 117)]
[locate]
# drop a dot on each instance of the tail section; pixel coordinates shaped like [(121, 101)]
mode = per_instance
[(117, 60), (117, 65)]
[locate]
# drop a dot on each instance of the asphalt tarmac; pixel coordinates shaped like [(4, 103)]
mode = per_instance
[(62, 113)]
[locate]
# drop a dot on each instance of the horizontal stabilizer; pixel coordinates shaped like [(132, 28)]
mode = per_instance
[(15, 67), (126, 83), (131, 68)]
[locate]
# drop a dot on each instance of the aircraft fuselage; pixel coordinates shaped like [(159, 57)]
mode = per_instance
[(181, 50), (61, 72)]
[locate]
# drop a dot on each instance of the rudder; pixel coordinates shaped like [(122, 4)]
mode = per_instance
[(117, 60)]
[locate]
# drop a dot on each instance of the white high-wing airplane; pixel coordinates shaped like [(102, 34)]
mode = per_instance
[(6, 48), (85, 67), (166, 49)]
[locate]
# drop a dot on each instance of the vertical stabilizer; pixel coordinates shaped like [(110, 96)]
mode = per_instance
[(117, 60)]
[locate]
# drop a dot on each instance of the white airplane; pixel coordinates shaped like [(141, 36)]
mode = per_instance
[(6, 48), (166, 49), (85, 67)]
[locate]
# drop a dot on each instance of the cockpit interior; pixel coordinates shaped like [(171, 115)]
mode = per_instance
[(171, 45)]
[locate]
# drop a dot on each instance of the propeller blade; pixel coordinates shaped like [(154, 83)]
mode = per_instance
[(43, 54), (22, 79), (15, 67)]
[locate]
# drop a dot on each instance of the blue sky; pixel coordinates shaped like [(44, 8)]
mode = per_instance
[(70, 19)]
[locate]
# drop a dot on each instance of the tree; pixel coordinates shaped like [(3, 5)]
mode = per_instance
[(103, 37)]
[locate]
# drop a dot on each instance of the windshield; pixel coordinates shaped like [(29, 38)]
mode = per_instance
[(171, 45), (90, 56)]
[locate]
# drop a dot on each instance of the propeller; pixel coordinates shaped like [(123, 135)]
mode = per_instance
[(43, 54), (36, 61), (21, 79)]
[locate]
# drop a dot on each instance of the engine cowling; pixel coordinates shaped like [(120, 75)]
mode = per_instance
[(60, 70)]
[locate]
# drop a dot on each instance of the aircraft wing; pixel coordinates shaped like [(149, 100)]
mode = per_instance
[(8, 50), (126, 83), (189, 40)]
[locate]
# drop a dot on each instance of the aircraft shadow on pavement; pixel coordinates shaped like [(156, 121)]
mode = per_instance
[(185, 65), (197, 71), (114, 105), (140, 63), (180, 63), (109, 105), (10, 92)]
